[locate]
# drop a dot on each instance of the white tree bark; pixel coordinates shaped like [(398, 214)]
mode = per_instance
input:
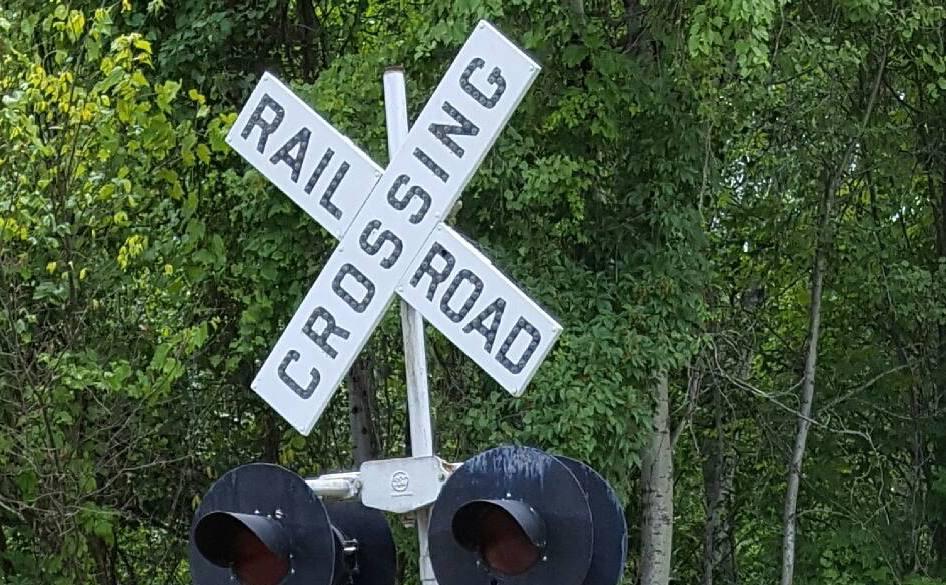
[(657, 493), (824, 235), (789, 524)]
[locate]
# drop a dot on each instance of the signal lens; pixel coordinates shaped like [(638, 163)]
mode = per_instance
[(254, 563), (254, 547), (501, 539)]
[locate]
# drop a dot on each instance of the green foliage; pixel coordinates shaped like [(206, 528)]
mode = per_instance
[(658, 190), (99, 188)]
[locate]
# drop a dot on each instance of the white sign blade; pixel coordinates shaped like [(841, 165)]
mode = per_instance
[(453, 133), (302, 154), (458, 290)]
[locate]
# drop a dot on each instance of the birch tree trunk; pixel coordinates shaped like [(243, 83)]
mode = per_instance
[(824, 237), (789, 524), (657, 493)]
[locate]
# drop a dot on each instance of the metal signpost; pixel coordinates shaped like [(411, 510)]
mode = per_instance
[(412, 328), (393, 241)]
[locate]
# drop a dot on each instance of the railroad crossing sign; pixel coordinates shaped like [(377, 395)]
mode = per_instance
[(391, 231)]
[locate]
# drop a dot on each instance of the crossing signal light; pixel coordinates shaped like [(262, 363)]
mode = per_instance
[(261, 524), (508, 516), (256, 548), (519, 515)]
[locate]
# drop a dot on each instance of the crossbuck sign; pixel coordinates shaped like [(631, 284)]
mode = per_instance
[(391, 231)]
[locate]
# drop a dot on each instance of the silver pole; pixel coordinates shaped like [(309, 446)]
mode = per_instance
[(412, 326), (340, 486)]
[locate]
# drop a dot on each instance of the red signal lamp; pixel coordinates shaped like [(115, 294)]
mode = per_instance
[(256, 548), (508, 535)]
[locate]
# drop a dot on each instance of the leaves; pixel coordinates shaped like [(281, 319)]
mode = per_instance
[(657, 190)]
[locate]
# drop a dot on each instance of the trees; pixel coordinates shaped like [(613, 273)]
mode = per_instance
[(698, 190), (100, 183)]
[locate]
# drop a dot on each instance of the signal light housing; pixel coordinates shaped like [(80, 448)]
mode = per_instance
[(519, 516), (261, 524)]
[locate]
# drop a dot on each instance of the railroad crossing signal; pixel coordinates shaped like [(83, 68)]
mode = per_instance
[(391, 231), (261, 524), (511, 515)]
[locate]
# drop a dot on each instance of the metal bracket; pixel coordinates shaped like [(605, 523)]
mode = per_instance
[(392, 485), (402, 485)]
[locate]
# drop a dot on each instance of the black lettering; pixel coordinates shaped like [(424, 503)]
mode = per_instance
[(301, 140), (360, 278), (413, 192), (304, 393), (326, 200), (521, 325), (266, 128), (495, 77), (436, 277), (478, 324), (331, 328), (374, 248), (443, 131), (433, 167), (457, 316)]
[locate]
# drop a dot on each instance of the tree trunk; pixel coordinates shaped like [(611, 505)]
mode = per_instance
[(307, 18), (719, 470), (823, 243), (657, 493), (361, 399), (789, 524), (934, 458)]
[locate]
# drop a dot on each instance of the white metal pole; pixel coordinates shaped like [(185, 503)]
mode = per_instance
[(412, 326), (341, 486)]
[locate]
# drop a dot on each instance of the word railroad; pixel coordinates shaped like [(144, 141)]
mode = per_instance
[(391, 231)]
